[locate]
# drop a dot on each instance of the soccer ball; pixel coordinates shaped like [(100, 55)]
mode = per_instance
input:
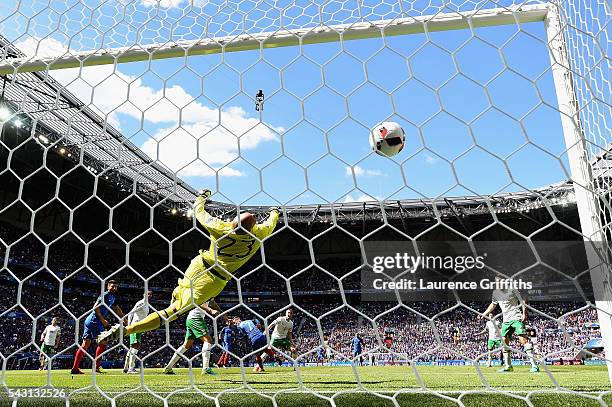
[(387, 138)]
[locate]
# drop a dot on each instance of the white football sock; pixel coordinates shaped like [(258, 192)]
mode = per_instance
[(177, 355), (127, 359), (132, 357), (529, 351), (206, 347), (506, 354)]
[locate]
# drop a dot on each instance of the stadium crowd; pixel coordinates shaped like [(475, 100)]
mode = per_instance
[(424, 331), (437, 334), (446, 335)]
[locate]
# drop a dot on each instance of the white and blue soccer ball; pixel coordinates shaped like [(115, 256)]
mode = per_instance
[(387, 138)]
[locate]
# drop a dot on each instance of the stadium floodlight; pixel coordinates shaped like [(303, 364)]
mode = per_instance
[(5, 113)]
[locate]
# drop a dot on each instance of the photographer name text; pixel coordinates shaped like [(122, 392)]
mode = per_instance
[(422, 284)]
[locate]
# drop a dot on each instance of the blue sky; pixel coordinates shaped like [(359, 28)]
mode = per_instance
[(477, 107)]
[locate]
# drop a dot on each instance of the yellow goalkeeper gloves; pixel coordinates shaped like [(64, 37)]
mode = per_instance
[(206, 193)]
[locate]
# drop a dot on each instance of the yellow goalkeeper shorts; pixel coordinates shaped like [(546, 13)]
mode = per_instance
[(197, 287)]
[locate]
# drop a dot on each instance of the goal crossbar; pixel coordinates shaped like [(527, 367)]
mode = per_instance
[(281, 38)]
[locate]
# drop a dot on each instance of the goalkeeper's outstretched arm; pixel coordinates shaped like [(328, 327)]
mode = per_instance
[(267, 227), (213, 224)]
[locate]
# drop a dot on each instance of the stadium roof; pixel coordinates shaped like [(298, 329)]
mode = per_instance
[(561, 194), (62, 114), (601, 164)]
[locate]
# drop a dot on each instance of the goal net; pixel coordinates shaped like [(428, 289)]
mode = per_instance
[(116, 115)]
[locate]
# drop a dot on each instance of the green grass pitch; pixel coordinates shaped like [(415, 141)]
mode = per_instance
[(574, 386)]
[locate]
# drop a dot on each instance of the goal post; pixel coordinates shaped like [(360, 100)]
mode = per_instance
[(281, 38), (588, 198)]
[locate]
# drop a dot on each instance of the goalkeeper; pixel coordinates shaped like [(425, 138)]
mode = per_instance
[(232, 245)]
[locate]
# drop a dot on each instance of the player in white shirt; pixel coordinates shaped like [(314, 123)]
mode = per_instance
[(197, 329), (282, 335), (138, 313), (494, 341), (329, 354), (50, 340), (514, 316)]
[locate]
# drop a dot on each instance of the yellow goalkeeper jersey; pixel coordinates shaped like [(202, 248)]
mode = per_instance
[(233, 250)]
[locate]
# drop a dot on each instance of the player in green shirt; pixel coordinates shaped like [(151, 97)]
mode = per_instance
[(514, 316)]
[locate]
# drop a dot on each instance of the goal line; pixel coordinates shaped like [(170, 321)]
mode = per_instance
[(281, 38)]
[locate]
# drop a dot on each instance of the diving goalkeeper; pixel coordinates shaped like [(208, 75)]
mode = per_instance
[(230, 248)]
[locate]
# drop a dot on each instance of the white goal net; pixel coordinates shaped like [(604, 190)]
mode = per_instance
[(116, 114)]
